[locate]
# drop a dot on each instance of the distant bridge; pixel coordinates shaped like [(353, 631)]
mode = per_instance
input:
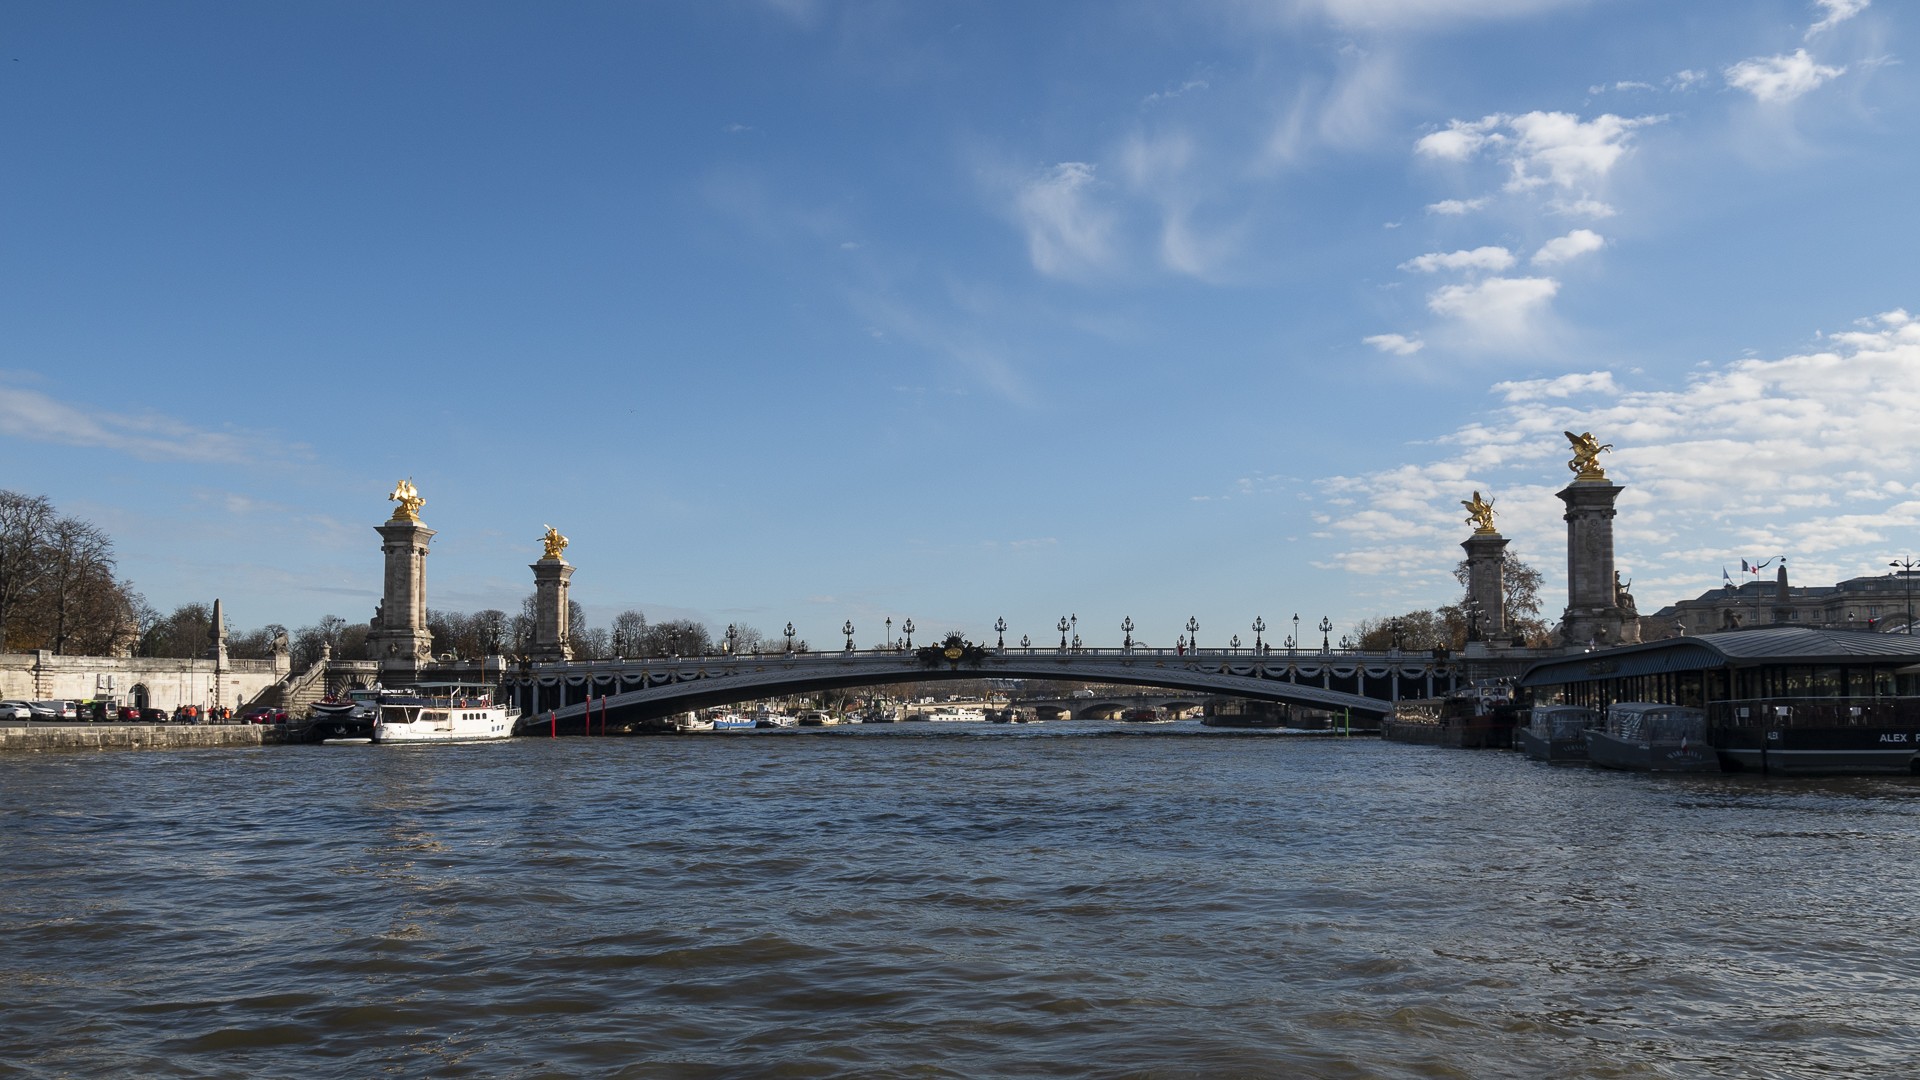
[(635, 692)]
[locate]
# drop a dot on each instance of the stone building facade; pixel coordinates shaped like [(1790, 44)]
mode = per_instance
[(1879, 603)]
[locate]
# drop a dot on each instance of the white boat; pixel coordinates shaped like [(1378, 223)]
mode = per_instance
[(767, 718), (818, 718), (693, 721), (957, 713), (441, 712)]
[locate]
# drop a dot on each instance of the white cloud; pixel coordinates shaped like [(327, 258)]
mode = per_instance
[(1480, 258), (1397, 344), (1780, 78), (1837, 12), (1497, 308), (1455, 207), (1808, 454), (1539, 147), (1067, 235), (1183, 89), (35, 417), (1571, 246), (1686, 80)]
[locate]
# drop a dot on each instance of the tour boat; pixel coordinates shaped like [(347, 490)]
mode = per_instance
[(956, 714), (767, 718), (692, 721), (1652, 737), (1556, 733), (818, 718), (1479, 716), (1145, 714), (441, 712)]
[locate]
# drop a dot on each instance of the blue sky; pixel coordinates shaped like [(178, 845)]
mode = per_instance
[(813, 311)]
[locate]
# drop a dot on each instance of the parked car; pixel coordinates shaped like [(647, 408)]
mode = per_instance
[(15, 710), (264, 714), (53, 709), (154, 716)]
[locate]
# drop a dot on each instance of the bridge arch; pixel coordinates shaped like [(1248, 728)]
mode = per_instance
[(642, 691)]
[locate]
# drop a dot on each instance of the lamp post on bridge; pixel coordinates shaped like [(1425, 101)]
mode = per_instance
[(1326, 628), (1000, 627), (889, 633), (1075, 620), (1906, 567), (1347, 644), (1234, 645), (907, 629), (1193, 634), (1126, 627), (1027, 644), (789, 633), (619, 639), (1259, 627), (1076, 643), (847, 629), (733, 639), (1063, 633), (1294, 641)]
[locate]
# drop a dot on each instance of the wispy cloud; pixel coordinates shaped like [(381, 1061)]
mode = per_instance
[(1455, 207), (36, 417), (1498, 310), (1837, 12), (1068, 233)]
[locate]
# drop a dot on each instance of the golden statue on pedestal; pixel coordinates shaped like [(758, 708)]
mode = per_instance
[(1479, 514), (1586, 454), (409, 499), (554, 541)]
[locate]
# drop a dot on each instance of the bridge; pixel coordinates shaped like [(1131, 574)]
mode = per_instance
[(639, 692)]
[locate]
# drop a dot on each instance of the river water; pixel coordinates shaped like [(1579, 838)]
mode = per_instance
[(1068, 899)]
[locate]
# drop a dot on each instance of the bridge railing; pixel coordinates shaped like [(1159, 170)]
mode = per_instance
[(1035, 652)]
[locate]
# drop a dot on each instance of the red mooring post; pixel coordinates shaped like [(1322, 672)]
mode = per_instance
[(603, 714), (553, 725)]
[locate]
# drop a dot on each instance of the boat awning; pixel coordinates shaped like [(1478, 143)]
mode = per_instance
[(1770, 646)]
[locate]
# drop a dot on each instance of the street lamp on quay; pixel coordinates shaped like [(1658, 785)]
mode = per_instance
[(1326, 628), (1000, 627), (1193, 634), (847, 629), (1259, 627), (1906, 565)]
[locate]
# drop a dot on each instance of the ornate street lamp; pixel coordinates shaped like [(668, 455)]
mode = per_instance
[(1259, 627), (889, 632), (907, 629), (848, 630), (1000, 627), (1193, 634), (733, 639), (618, 640), (1347, 643), (1326, 627), (1906, 566), (1063, 633), (1393, 626), (1075, 620), (1126, 627), (1027, 644), (1294, 641), (1076, 643), (789, 639), (1234, 644)]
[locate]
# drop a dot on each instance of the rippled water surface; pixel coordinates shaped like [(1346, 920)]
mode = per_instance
[(947, 901)]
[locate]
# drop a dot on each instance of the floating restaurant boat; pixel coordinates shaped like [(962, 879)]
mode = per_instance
[(1556, 733), (1776, 699), (1480, 716), (441, 712), (1145, 715)]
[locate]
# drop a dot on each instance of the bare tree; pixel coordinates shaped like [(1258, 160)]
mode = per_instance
[(24, 521)]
